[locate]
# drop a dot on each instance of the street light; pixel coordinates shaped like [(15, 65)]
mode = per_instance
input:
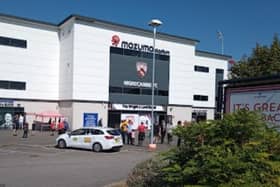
[(153, 23)]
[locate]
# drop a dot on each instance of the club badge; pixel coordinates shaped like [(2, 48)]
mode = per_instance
[(141, 68)]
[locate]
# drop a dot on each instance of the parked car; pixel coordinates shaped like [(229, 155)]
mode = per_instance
[(94, 138)]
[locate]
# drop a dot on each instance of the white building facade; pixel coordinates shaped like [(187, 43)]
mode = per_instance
[(88, 69)]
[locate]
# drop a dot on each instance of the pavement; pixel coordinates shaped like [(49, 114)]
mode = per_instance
[(44, 139), (36, 162)]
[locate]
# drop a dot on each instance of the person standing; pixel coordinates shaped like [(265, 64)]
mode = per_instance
[(169, 128), (15, 125), (132, 136), (129, 132), (123, 128), (52, 127), (60, 127), (162, 131), (100, 123), (66, 125), (21, 121), (179, 124), (141, 133), (156, 133), (25, 130)]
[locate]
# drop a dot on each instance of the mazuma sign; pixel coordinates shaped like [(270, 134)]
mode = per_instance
[(137, 47)]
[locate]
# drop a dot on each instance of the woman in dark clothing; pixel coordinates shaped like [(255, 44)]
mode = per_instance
[(179, 123), (16, 124), (162, 131), (25, 130), (156, 132)]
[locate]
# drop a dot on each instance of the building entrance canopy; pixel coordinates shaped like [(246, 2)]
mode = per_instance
[(133, 107)]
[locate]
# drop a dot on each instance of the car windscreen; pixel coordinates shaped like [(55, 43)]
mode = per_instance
[(114, 132)]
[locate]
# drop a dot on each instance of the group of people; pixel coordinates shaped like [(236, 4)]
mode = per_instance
[(19, 122), (128, 133), (160, 130), (61, 126)]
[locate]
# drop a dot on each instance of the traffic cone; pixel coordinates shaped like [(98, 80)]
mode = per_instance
[(152, 147)]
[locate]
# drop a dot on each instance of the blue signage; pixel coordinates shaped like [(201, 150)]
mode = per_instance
[(90, 119), (6, 103)]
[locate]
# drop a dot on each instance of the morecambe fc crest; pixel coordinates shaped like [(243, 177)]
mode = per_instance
[(141, 68), (115, 40)]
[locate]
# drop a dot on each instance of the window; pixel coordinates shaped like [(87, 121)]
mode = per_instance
[(201, 69), (147, 55), (116, 50), (131, 91), (96, 132), (200, 97), (4, 84), (114, 132), (114, 89), (219, 77), (13, 42), (199, 116), (163, 93), (219, 71), (78, 132), (146, 91), (17, 86), (129, 52), (137, 91), (12, 85), (163, 57)]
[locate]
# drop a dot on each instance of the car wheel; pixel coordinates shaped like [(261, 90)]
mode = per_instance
[(61, 144), (97, 147)]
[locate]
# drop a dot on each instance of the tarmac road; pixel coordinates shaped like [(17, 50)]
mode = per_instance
[(36, 162)]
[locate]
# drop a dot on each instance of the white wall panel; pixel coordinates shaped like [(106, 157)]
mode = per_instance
[(181, 77), (204, 83), (37, 65), (80, 108), (91, 63), (66, 36)]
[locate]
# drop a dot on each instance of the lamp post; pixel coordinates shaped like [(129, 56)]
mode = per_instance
[(153, 23)]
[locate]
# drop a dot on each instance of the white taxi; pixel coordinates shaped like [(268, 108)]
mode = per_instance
[(94, 138)]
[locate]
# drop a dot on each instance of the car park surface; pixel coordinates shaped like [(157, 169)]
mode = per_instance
[(36, 162)]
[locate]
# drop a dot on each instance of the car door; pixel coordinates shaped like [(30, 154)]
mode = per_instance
[(76, 138), (85, 140), (97, 136)]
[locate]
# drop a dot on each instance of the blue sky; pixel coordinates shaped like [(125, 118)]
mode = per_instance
[(243, 22)]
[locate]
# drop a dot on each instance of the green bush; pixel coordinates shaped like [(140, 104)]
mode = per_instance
[(239, 150), (147, 173)]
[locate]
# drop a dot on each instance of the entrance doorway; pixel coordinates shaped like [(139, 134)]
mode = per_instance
[(114, 118), (198, 116)]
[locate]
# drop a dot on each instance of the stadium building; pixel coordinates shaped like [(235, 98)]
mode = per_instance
[(87, 69)]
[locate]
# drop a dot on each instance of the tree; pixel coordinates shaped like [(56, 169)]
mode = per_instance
[(264, 61), (239, 150)]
